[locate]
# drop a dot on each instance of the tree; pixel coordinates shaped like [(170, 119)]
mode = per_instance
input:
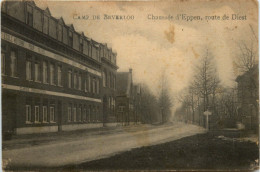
[(188, 99), (149, 106), (247, 57), (227, 107), (206, 79), (164, 99)]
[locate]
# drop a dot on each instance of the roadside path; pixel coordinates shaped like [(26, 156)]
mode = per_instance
[(95, 147)]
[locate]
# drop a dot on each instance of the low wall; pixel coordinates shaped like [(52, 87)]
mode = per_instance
[(32, 130), (70, 127), (111, 124)]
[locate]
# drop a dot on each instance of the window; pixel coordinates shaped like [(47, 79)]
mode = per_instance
[(98, 115), (97, 86), (3, 60), (94, 85), (81, 45), (79, 79), (29, 20), (59, 76), (94, 118), (74, 114), (80, 117), (114, 82), (109, 56), (28, 70), (44, 114), (75, 80), (114, 102), (52, 113), (45, 72), (111, 80), (28, 113), (69, 78), (109, 102), (70, 39), (89, 114), (89, 50), (85, 85), (13, 64), (89, 83), (84, 118), (45, 24), (108, 80), (52, 82), (59, 32), (97, 54), (37, 71), (69, 114), (104, 79), (36, 114)]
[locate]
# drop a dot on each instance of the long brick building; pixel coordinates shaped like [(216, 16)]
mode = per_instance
[(51, 74)]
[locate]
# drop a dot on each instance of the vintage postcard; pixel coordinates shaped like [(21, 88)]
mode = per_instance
[(130, 85)]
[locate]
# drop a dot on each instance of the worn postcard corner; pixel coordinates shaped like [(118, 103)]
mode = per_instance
[(130, 85)]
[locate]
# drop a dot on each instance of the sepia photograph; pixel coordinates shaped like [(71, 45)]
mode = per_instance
[(132, 85)]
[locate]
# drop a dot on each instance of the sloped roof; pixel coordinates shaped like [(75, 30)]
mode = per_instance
[(123, 83), (252, 73), (71, 27), (61, 21), (47, 11)]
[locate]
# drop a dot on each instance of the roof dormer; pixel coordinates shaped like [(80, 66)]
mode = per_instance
[(47, 11)]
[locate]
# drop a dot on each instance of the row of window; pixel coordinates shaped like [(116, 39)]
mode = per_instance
[(109, 79), (90, 114), (111, 103), (57, 29), (83, 114), (75, 81), (63, 34), (49, 73), (35, 117), (33, 70)]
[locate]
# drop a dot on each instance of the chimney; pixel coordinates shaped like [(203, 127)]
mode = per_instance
[(130, 70)]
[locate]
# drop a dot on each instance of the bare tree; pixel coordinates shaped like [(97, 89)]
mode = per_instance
[(188, 98), (164, 100), (149, 106), (227, 107), (206, 80), (247, 57)]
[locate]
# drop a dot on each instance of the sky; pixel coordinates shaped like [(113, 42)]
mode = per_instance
[(173, 46)]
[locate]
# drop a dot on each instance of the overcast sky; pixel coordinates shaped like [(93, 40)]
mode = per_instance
[(148, 46)]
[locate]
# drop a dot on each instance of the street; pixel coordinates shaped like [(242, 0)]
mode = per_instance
[(93, 147), (205, 152)]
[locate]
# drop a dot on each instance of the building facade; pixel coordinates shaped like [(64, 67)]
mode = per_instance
[(128, 99), (51, 74), (109, 69), (248, 98)]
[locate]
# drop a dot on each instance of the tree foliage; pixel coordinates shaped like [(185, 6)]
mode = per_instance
[(164, 100)]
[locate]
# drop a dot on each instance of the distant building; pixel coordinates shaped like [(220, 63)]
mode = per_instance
[(137, 92), (248, 102), (127, 99), (109, 69), (51, 74)]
